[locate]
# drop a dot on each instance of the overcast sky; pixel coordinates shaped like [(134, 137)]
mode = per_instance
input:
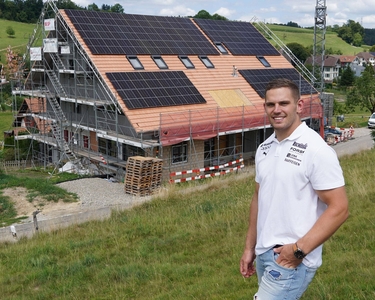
[(269, 11)]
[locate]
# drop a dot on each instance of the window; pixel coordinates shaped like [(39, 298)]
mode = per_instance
[(187, 62), (179, 153), (221, 48), (205, 60), (86, 141), (263, 61), (159, 62), (77, 108), (135, 62)]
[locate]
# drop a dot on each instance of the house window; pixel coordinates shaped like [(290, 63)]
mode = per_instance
[(221, 48), (205, 60), (135, 62), (187, 62), (159, 61), (263, 61), (86, 141), (77, 108), (179, 153)]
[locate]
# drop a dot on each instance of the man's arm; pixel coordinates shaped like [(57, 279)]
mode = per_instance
[(247, 261), (327, 224), (333, 217)]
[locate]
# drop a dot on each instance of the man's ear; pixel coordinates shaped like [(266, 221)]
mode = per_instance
[(300, 103)]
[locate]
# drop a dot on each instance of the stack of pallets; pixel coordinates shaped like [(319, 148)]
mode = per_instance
[(143, 175)]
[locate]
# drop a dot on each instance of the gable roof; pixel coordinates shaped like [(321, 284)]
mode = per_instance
[(151, 97)]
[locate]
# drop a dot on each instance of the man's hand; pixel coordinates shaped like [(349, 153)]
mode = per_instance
[(247, 267), (286, 257)]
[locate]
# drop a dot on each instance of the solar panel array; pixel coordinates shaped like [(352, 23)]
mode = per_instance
[(155, 89), (241, 38), (259, 78), (115, 33)]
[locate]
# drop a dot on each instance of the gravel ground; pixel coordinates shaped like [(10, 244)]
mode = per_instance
[(96, 193)]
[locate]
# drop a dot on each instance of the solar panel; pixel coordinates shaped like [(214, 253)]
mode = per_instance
[(240, 38), (259, 78), (155, 89), (115, 33)]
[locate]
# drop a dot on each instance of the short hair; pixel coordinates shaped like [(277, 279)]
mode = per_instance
[(283, 82)]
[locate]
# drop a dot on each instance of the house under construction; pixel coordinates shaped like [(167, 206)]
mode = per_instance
[(103, 87)]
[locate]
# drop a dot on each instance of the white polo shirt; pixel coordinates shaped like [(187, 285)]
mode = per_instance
[(288, 173)]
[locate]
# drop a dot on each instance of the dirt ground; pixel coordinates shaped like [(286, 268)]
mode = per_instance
[(24, 207)]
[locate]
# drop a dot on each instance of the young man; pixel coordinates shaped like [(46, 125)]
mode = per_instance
[(298, 203)]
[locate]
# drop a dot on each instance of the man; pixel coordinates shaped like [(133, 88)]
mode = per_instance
[(298, 203)]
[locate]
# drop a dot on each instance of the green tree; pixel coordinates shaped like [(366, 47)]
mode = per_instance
[(93, 7), (372, 49), (363, 92), (347, 77), (203, 14), (10, 31), (352, 32), (117, 8), (301, 52)]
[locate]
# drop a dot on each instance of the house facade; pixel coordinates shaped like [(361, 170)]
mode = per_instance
[(188, 91)]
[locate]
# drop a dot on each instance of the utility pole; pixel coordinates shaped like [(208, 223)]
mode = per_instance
[(319, 53)]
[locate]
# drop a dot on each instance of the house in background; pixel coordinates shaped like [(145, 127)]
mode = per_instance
[(188, 91), (331, 65), (353, 62), (366, 58)]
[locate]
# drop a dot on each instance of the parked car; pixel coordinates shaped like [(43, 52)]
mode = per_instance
[(332, 130), (371, 121)]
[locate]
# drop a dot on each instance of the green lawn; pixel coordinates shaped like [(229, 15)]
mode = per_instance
[(305, 37), (186, 245), (6, 119), (18, 41)]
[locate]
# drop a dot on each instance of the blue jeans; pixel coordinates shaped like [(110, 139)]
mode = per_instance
[(276, 282)]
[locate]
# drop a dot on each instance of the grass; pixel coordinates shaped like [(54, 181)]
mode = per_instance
[(6, 119), (37, 186), (305, 37), (185, 245), (18, 41)]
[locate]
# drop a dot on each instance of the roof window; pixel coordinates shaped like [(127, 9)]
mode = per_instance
[(206, 61), (221, 48), (263, 61), (159, 61), (186, 61), (135, 62)]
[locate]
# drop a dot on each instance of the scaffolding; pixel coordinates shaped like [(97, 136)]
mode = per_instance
[(71, 116)]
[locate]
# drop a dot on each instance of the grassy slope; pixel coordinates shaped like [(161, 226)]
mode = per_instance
[(305, 37), (185, 246), (18, 41), (6, 119)]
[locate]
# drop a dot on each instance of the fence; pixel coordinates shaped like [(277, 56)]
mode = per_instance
[(14, 164)]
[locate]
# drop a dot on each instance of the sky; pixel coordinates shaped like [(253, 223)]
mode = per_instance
[(301, 12)]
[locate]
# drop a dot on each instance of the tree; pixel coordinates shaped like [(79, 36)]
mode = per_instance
[(352, 32), (363, 92), (93, 7), (117, 8), (203, 14), (372, 49), (10, 31), (292, 24), (301, 52), (347, 77)]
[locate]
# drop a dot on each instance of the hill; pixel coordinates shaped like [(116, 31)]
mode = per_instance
[(305, 37), (18, 41)]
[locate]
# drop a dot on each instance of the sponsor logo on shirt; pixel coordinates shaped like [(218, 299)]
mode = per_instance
[(295, 154), (265, 148)]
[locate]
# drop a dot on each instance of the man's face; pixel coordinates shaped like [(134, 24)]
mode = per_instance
[(282, 110)]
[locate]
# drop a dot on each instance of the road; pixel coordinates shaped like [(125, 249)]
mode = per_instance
[(361, 140)]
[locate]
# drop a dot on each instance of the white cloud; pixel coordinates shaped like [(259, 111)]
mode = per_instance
[(226, 12), (179, 10)]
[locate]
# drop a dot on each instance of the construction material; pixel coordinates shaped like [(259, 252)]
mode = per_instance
[(143, 175)]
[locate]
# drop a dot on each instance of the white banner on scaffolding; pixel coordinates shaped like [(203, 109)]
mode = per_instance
[(49, 24), (50, 46), (36, 53), (65, 50)]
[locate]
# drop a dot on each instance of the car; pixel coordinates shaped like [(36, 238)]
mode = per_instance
[(371, 121), (332, 130)]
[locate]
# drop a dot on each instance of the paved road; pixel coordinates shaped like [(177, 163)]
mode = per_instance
[(361, 140)]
